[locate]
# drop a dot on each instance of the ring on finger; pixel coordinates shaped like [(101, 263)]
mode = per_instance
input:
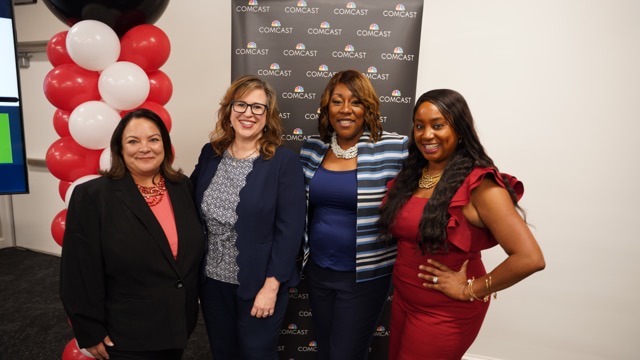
[(435, 280)]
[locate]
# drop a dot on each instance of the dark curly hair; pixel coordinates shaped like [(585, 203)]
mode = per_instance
[(469, 153)]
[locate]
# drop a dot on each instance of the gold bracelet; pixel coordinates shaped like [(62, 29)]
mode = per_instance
[(487, 282), (470, 284)]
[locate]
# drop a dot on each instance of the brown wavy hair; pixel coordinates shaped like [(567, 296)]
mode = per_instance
[(362, 89), (223, 135)]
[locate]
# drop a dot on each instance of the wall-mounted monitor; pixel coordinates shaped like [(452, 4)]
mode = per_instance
[(13, 162)]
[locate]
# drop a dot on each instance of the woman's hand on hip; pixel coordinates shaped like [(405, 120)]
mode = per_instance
[(441, 278)]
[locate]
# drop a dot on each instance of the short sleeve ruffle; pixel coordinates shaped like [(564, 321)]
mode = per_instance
[(460, 232)]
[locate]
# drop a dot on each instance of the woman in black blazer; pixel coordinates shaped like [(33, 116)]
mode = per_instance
[(132, 250)]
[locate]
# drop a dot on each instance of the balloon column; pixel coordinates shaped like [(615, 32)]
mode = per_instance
[(96, 78), (102, 68)]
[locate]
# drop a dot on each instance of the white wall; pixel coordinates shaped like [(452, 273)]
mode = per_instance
[(553, 87)]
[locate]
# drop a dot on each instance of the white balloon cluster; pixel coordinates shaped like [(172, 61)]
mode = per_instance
[(122, 85)]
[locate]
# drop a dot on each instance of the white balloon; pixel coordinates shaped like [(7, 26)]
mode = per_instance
[(124, 85), (91, 124), (67, 196), (93, 45), (105, 159)]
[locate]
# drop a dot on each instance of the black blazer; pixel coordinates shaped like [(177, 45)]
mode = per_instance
[(118, 276)]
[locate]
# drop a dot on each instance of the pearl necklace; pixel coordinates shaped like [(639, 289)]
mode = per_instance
[(350, 153), (153, 194), (428, 181)]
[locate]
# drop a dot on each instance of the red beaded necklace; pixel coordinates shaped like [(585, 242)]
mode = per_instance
[(153, 194)]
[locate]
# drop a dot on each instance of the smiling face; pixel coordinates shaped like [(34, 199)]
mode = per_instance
[(434, 136), (142, 149), (346, 115), (247, 125)]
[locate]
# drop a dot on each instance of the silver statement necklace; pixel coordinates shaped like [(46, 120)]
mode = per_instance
[(235, 160), (350, 153)]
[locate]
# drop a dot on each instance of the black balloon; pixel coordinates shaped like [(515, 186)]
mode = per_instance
[(120, 15)]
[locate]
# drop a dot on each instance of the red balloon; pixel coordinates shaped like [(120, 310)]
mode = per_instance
[(69, 161), (146, 46), (61, 122), (58, 225), (72, 352), (68, 85), (161, 87), (63, 186), (160, 110), (57, 49)]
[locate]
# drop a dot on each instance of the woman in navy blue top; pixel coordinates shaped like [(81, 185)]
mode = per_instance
[(347, 167)]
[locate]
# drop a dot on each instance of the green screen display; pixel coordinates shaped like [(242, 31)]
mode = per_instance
[(13, 162)]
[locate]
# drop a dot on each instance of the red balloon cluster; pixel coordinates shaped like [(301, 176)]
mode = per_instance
[(98, 77)]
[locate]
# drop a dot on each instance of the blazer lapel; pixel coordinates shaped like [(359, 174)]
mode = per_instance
[(127, 191)]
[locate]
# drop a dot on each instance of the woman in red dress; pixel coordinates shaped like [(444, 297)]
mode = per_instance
[(447, 204)]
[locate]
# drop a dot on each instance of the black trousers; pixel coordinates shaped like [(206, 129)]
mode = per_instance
[(235, 334), (345, 313)]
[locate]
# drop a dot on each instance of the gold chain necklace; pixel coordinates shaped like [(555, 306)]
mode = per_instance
[(428, 181)]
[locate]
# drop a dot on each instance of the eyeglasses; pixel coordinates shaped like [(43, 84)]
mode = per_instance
[(256, 108)]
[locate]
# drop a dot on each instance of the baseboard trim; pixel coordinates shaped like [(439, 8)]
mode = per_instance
[(477, 357)]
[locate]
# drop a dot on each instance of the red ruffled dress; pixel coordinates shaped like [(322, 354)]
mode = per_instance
[(426, 324)]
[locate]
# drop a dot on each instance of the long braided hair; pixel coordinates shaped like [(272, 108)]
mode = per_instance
[(432, 234)]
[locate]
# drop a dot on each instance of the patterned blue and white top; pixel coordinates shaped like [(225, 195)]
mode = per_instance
[(377, 163)]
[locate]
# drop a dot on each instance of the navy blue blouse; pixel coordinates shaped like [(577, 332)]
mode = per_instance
[(333, 195)]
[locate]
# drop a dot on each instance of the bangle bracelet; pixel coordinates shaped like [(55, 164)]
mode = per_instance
[(487, 283), (469, 284), (473, 296)]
